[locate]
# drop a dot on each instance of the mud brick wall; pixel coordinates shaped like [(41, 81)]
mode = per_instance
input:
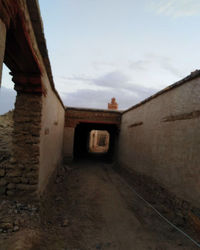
[(51, 136), (36, 149), (159, 144), (22, 172), (37, 143), (6, 129)]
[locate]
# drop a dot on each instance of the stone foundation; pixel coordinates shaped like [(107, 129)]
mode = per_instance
[(22, 172), (6, 128)]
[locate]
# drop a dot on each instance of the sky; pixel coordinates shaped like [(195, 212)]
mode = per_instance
[(127, 49)]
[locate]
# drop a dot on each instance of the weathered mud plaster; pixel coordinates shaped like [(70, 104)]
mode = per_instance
[(68, 144), (167, 152), (2, 45), (51, 137)]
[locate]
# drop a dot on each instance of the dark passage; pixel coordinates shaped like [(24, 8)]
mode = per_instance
[(82, 139)]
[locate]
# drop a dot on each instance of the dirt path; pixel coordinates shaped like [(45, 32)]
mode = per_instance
[(93, 208)]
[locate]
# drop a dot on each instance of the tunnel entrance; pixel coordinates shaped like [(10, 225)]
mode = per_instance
[(95, 141)]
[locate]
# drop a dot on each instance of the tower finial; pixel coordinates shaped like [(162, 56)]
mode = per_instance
[(113, 104)]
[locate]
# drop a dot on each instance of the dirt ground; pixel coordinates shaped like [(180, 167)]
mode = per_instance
[(91, 207)]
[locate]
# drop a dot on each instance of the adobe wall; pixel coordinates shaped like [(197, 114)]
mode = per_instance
[(159, 145), (68, 143), (51, 135), (38, 119)]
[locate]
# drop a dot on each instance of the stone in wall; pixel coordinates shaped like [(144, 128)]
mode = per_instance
[(22, 172), (6, 128)]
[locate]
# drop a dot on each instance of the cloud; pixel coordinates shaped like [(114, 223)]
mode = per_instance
[(75, 78), (161, 62), (99, 98), (176, 8), (112, 79), (114, 84), (166, 64), (139, 65), (103, 65), (95, 92), (7, 99)]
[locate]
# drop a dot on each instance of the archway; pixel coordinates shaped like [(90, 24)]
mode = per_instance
[(82, 139)]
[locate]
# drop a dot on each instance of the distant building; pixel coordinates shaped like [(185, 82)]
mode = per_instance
[(113, 105)]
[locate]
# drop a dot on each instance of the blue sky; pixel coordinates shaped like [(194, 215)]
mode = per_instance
[(129, 49)]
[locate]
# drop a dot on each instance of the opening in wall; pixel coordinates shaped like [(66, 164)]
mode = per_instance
[(7, 92), (99, 141), (95, 141)]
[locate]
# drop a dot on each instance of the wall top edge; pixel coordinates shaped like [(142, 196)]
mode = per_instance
[(93, 110), (188, 78)]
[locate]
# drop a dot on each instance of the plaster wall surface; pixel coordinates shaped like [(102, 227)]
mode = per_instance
[(68, 143), (51, 138), (2, 45), (161, 140)]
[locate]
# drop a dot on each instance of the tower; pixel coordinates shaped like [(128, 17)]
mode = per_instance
[(113, 105)]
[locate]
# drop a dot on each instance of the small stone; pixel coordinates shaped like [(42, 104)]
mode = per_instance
[(2, 190), (18, 205), (6, 225), (16, 228), (29, 206), (15, 180), (33, 174), (3, 182), (11, 186), (34, 209), (24, 180), (27, 187), (58, 199), (2, 172), (33, 181), (12, 160), (65, 223), (14, 173), (10, 193)]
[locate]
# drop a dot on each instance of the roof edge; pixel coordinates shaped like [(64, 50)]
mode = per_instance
[(37, 24), (93, 110)]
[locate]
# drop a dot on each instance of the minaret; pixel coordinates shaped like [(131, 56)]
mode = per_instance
[(113, 105)]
